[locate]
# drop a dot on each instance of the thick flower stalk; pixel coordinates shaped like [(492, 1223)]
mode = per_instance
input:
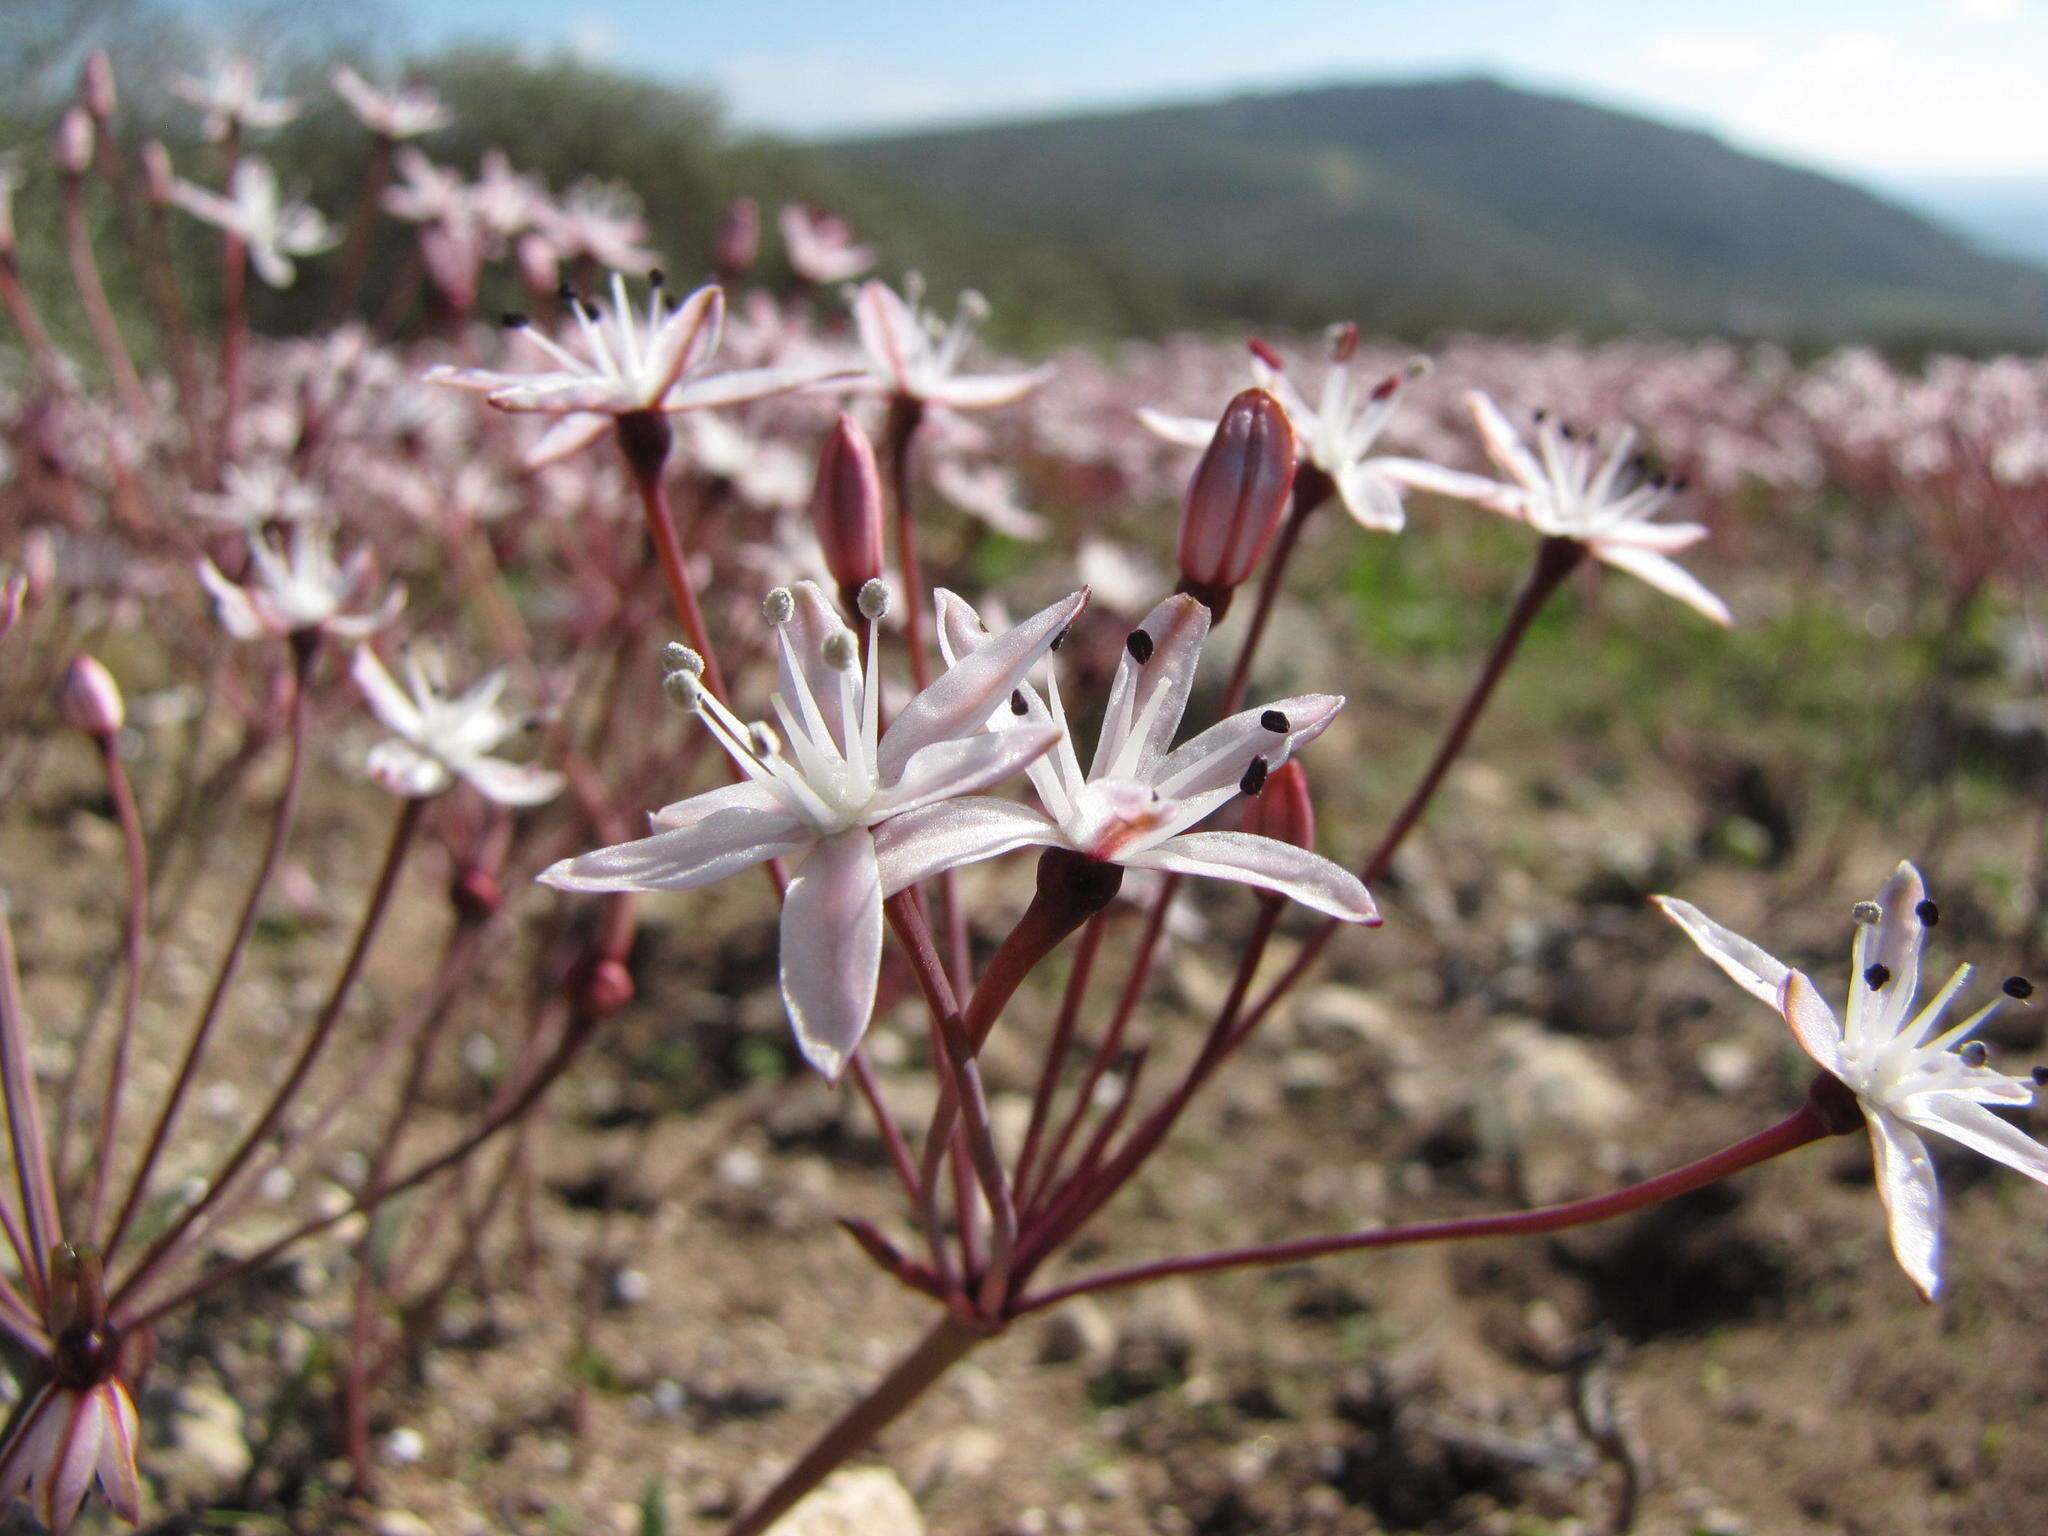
[(1912, 1071), (836, 794)]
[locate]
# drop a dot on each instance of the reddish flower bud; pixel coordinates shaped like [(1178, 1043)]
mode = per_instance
[(89, 700), (540, 266), (606, 989), (1281, 809), (739, 239), (476, 894), (72, 146), (157, 175), (846, 507), (96, 85), (1237, 497)]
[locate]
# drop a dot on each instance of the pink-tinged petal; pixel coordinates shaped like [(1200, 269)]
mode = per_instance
[(983, 392), (922, 843), (1302, 416), (70, 1479), (1761, 975), (681, 859), (1184, 431), (669, 348), (34, 1444), (1664, 538), (1953, 1116), (388, 702), (747, 796), (482, 381), (1812, 1021), (802, 658), (513, 784), (120, 1478), (743, 384), (831, 948), (1270, 865), (1420, 475), (1372, 497), (888, 331), (237, 614), (1896, 944), (273, 268), (558, 393), (572, 434), (961, 700), (1148, 698), (961, 631), (1503, 443), (1217, 759), (1667, 577), (947, 769), (1912, 1199), (405, 770)]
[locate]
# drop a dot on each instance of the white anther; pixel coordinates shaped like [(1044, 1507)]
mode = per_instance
[(762, 738), (677, 657), (1867, 912), (842, 651), (873, 600), (778, 607), (684, 690)]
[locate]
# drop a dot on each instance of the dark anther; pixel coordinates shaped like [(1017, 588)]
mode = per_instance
[(1139, 644), (1539, 417), (1876, 977), (1680, 483), (1254, 778), (1975, 1053), (512, 320), (1017, 704), (656, 277), (1276, 722), (566, 292), (2041, 1077), (2018, 988), (1928, 913), (1060, 639)]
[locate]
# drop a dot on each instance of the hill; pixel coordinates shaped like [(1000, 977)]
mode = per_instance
[(1415, 205)]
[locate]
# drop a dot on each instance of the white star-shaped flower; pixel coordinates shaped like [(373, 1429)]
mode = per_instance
[(403, 113), (299, 587), (1910, 1074), (443, 736), (232, 99), (256, 213), (838, 794), (1569, 487), (913, 354), (1137, 801)]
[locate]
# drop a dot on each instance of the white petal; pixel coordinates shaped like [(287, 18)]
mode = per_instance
[(1150, 698), (78, 1462), (1217, 759), (405, 770), (1372, 497), (1811, 1020), (387, 700), (120, 1479), (669, 347), (831, 948), (812, 619), (961, 631), (1503, 444), (1896, 945), (1761, 975), (1912, 1199), (960, 701), (1665, 538), (743, 384), (1419, 474), (1667, 577), (744, 796), (985, 391), (556, 393), (888, 331), (516, 784), (1187, 431), (922, 843), (683, 858), (1953, 1116), (947, 769), (237, 614), (572, 434), (1268, 863)]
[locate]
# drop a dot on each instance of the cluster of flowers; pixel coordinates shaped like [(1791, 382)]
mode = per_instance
[(798, 435)]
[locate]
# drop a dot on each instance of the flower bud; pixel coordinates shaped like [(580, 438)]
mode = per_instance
[(846, 507), (96, 85), (1237, 497), (607, 987), (739, 239), (475, 894), (1281, 809), (540, 265), (157, 175), (72, 146), (89, 700)]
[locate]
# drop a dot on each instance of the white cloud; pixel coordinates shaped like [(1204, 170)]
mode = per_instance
[(592, 38), (1855, 53), (1703, 53), (1986, 10)]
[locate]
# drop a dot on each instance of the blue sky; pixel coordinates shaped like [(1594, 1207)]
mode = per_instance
[(1887, 86)]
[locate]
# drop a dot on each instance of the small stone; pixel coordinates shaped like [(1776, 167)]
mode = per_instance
[(863, 1501), (1078, 1330), (209, 1445), (630, 1287), (1728, 1066), (965, 1455), (399, 1522), (404, 1448)]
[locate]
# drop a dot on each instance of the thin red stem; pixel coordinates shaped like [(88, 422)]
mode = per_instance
[(134, 943)]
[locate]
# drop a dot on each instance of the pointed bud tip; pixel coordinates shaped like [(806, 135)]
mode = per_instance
[(89, 699)]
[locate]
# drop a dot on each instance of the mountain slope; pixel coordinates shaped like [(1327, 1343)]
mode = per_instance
[(1469, 202)]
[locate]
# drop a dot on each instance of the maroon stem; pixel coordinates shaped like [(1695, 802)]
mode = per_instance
[(402, 834), (1056, 1052), (25, 1121), (1813, 1121), (14, 297), (646, 438), (135, 938), (906, 412), (92, 293), (948, 1342), (304, 650)]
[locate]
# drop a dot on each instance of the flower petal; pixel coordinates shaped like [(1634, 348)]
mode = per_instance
[(1896, 945), (1912, 1199), (1185, 431), (1811, 1020), (1268, 863), (683, 858), (668, 349), (572, 434), (831, 949), (120, 1478), (1421, 475), (1761, 975), (405, 770), (556, 393), (960, 701), (514, 784), (1148, 697), (1503, 443), (947, 769), (1217, 759), (747, 795), (743, 384), (920, 844), (888, 331), (981, 392), (387, 700), (1666, 576), (1372, 497), (1953, 1116)]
